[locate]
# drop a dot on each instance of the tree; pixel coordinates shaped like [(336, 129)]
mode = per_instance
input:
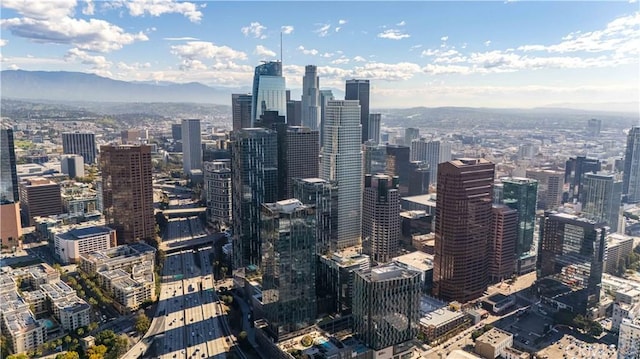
[(142, 323), (68, 355), (120, 346), (595, 328), (93, 325), (96, 352), (67, 339), (306, 341), (93, 301), (80, 331), (18, 356)]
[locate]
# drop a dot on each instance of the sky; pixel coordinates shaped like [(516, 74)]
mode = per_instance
[(416, 53)]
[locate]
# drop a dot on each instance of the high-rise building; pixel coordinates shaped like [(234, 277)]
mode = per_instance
[(72, 165), (311, 114), (550, 185), (411, 134), (303, 157), (11, 229), (323, 195), (574, 172), (602, 198), (127, 191), (593, 127), (288, 265), (521, 194), (176, 131), (375, 120), (431, 153), (39, 197), (631, 172), (294, 113), (241, 110), (387, 311), (419, 174), (380, 217), (342, 162), (570, 260), (334, 280), (254, 170), (83, 144), (191, 146), (463, 227), (398, 164), (217, 188), (359, 90), (502, 243), (269, 90), (375, 158), (130, 136), (325, 96)]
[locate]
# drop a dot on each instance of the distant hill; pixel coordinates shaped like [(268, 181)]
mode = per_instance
[(78, 86)]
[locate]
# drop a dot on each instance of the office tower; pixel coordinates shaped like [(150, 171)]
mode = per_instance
[(521, 194), (387, 311), (342, 162), (10, 228), (83, 144), (419, 174), (323, 196), (39, 197), (398, 160), (130, 136), (325, 96), (380, 217), (217, 189), (176, 131), (288, 265), (254, 171), (72, 165), (359, 90), (294, 113), (570, 260), (431, 153), (411, 134), (463, 227), (269, 90), (602, 198), (277, 123), (631, 172), (191, 146), (574, 174), (550, 185), (302, 151), (241, 110), (375, 158), (593, 127), (502, 242), (375, 120), (127, 191), (334, 280), (311, 97)]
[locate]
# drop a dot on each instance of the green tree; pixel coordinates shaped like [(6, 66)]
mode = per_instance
[(120, 346), (93, 325), (93, 301), (80, 331), (18, 356), (142, 323), (96, 352), (67, 339), (595, 328), (68, 355)]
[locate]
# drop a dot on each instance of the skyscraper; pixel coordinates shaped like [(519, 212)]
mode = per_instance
[(127, 191), (72, 165), (39, 197), (431, 153), (574, 172), (419, 174), (302, 151), (294, 113), (502, 243), (176, 131), (191, 146), (380, 217), (411, 134), (593, 127), (311, 97), (550, 185), (521, 194), (323, 196), (631, 173), (288, 265), (463, 227), (83, 144), (570, 260), (241, 110), (342, 162), (387, 309), (10, 228), (325, 96), (254, 165), (375, 119), (269, 90), (398, 164), (217, 188), (359, 90), (602, 198), (375, 158)]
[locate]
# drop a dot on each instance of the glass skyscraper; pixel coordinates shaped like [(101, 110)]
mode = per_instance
[(602, 198), (8, 175), (631, 179), (521, 194), (269, 92), (359, 90)]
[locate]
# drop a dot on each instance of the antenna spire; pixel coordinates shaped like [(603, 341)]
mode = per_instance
[(280, 48)]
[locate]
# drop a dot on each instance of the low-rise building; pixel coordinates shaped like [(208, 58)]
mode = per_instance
[(493, 343), (618, 248), (132, 293), (70, 245), (418, 262), (37, 301), (24, 331), (72, 313), (437, 321), (124, 256), (629, 338)]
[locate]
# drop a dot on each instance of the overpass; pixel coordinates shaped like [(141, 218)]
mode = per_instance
[(179, 244), (183, 212)]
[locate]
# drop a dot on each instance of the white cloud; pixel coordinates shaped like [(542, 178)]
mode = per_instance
[(136, 66), (444, 38), (254, 29), (387, 72), (192, 65), (401, 23), (340, 61), (3, 42), (287, 29), (393, 34), (327, 55), (322, 30), (359, 59), (263, 51), (338, 28), (308, 51), (92, 35), (487, 43), (89, 9), (342, 22), (41, 10), (99, 64), (206, 50), (160, 7), (184, 38)]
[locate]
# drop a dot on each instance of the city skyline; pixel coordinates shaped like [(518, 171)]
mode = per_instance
[(419, 54)]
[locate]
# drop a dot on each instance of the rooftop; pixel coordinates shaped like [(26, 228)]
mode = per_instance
[(21, 322), (86, 232), (494, 336), (418, 260)]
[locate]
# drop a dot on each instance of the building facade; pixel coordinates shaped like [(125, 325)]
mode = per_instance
[(68, 246), (72, 165), (380, 218), (631, 171), (431, 153), (11, 228), (40, 197), (574, 172), (303, 155), (83, 144), (359, 90), (241, 110), (375, 120), (269, 90), (502, 243), (602, 198), (217, 187), (521, 194), (629, 339), (311, 98), (323, 195), (550, 185), (191, 146)]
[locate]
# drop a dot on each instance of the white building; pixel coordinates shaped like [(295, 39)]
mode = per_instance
[(72, 165), (70, 245), (629, 339), (342, 162), (217, 187), (432, 153), (191, 145), (24, 331)]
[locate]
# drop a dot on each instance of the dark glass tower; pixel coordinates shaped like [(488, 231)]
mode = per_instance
[(8, 173), (359, 90), (521, 194), (631, 172), (398, 164), (241, 110), (574, 174)]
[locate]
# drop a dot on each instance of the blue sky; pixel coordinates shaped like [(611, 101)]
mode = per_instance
[(488, 54)]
